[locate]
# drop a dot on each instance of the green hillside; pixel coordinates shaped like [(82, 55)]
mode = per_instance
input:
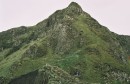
[(69, 47)]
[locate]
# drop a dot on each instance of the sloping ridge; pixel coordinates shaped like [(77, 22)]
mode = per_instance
[(72, 43), (46, 75)]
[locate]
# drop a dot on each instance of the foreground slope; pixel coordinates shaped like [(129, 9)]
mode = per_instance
[(46, 75), (70, 39)]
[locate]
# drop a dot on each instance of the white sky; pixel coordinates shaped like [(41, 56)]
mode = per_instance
[(114, 14)]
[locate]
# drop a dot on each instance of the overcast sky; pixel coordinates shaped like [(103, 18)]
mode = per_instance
[(114, 14)]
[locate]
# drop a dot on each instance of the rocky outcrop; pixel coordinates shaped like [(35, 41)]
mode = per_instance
[(46, 75)]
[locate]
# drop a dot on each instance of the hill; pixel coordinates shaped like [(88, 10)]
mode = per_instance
[(69, 47)]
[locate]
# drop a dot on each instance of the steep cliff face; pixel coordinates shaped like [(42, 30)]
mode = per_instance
[(70, 39)]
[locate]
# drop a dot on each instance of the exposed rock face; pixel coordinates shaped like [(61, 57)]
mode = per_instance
[(76, 47), (35, 50)]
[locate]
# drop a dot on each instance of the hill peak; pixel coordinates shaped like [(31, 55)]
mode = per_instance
[(74, 7), (74, 4)]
